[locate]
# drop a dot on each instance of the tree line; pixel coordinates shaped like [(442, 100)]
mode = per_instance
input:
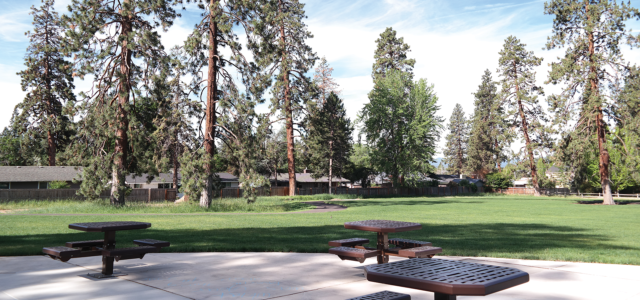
[(590, 130), (192, 108)]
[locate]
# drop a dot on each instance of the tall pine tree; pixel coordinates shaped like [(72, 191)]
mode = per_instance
[(44, 114), (204, 46), (592, 32), (520, 93), (324, 82), (455, 151), (283, 49), (116, 43), (489, 134), (174, 131), (329, 139), (391, 54)]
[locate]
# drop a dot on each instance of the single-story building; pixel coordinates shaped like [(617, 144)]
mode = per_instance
[(444, 180), (304, 180), (522, 182), (165, 181), (37, 177)]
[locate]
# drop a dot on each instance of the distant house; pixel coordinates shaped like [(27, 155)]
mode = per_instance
[(444, 180), (37, 177), (165, 181), (304, 180), (522, 182)]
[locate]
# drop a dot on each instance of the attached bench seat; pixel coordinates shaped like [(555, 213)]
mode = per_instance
[(129, 253), (349, 242), (61, 252), (384, 295), (405, 243), (151, 242), (85, 245), (420, 252), (355, 254)]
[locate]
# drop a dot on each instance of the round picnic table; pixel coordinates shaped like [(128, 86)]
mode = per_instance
[(109, 229), (382, 228), (446, 278)]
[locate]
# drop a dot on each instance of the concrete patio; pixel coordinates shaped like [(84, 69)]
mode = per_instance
[(282, 276)]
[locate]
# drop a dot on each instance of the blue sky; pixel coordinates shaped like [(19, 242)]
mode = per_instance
[(453, 42)]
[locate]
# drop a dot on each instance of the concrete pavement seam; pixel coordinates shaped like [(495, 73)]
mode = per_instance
[(320, 288), (130, 280)]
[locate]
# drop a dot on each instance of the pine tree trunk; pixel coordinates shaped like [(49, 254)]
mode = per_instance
[(212, 96), (175, 168), (291, 160), (118, 185), (330, 174), (525, 130), (603, 162), (498, 156)]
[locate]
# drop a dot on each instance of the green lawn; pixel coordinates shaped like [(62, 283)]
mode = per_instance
[(226, 205), (496, 226)]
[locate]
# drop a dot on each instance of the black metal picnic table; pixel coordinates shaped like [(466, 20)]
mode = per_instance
[(446, 278), (107, 246)]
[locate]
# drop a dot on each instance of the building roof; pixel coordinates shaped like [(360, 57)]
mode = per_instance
[(306, 178), (69, 173), (553, 169), (37, 173), (168, 178)]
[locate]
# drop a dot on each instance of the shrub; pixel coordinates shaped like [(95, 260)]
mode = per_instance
[(498, 181), (54, 185)]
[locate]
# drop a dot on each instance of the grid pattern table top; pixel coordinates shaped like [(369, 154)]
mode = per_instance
[(396, 241), (109, 226), (382, 226), (384, 295), (447, 276)]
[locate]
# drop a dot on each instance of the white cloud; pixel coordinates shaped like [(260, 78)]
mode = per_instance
[(13, 25)]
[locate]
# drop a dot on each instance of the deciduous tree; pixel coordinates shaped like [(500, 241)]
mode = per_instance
[(401, 126)]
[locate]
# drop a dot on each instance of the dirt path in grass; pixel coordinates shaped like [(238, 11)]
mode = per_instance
[(320, 207)]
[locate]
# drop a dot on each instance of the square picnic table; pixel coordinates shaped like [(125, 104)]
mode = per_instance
[(382, 228), (107, 246), (446, 278)]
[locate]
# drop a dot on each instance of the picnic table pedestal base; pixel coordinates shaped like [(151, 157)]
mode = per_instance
[(439, 296), (109, 243), (107, 261), (382, 246)]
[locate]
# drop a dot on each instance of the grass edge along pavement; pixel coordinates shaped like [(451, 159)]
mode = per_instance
[(225, 205), (521, 227)]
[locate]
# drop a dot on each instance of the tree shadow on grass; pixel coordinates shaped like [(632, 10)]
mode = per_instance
[(464, 239), (425, 202)]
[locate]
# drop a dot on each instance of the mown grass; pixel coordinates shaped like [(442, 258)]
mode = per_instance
[(227, 205), (521, 227)]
